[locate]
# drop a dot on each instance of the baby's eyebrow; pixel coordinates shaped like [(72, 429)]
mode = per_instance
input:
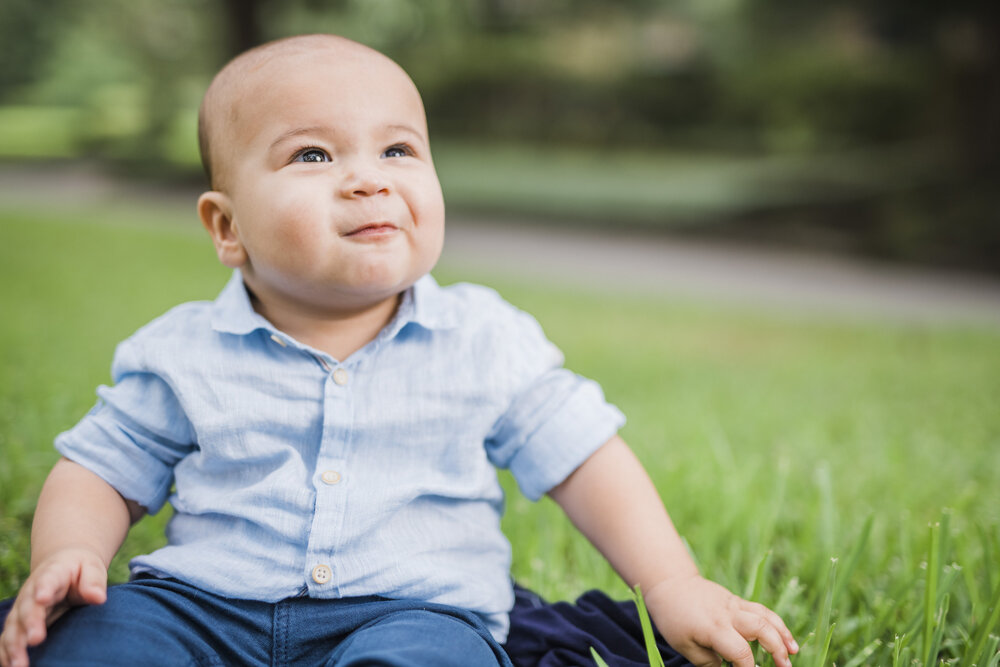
[(295, 132), (405, 128)]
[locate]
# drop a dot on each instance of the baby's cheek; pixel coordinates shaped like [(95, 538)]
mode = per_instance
[(295, 225), (427, 200)]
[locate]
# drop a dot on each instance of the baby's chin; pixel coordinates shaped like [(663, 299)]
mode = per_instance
[(390, 278), (367, 295)]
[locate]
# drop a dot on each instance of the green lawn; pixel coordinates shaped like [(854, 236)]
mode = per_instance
[(778, 441)]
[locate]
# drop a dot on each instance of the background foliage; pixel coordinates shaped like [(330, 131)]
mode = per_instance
[(873, 127)]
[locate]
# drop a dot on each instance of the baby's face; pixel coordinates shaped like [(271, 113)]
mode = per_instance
[(332, 192)]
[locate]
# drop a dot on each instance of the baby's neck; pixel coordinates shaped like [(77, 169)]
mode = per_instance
[(338, 333)]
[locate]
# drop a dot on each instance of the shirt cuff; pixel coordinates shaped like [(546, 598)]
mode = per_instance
[(100, 445), (567, 438)]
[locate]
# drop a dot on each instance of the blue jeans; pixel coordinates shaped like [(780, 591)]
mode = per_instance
[(165, 622)]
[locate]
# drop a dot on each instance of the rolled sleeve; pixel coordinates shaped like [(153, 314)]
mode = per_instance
[(551, 429), (133, 437)]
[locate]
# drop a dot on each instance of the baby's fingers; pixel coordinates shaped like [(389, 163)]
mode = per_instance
[(13, 648), (774, 620), (732, 646), (76, 583), (29, 616), (753, 626), (25, 626), (47, 586), (91, 586)]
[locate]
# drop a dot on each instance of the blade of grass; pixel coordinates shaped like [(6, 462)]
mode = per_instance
[(827, 508), (824, 629), (756, 586), (865, 653), (597, 658), (931, 590), (944, 545), (826, 646), (897, 649), (753, 592), (994, 650), (939, 618), (853, 558), (769, 522), (972, 588), (990, 621), (893, 610), (655, 659), (987, 540)]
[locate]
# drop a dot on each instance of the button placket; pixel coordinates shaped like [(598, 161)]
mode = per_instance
[(328, 478)]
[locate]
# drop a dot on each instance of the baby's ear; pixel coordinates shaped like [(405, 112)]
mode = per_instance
[(215, 210)]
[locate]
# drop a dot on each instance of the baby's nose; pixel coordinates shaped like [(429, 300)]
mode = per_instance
[(365, 182)]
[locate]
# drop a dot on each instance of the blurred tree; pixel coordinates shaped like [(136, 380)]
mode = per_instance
[(243, 19), (27, 33), (950, 52), (766, 77), (939, 80), (128, 65)]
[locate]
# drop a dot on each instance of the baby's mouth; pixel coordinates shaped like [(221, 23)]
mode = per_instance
[(372, 229)]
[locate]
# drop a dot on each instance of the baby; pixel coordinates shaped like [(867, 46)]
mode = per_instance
[(327, 430)]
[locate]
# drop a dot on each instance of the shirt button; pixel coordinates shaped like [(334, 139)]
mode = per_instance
[(322, 574), (330, 477), (340, 376)]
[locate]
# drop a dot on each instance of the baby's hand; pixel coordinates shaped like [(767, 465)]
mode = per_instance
[(703, 621), (66, 578)]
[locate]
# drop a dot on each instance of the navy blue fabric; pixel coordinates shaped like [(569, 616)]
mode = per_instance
[(560, 634)]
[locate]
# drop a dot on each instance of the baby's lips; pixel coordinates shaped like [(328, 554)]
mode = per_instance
[(372, 228)]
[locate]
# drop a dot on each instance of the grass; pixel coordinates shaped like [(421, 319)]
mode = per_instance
[(842, 472)]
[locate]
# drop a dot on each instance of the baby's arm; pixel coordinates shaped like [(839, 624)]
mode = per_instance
[(79, 524), (615, 505)]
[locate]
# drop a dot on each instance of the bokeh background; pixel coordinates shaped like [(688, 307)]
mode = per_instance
[(868, 128)]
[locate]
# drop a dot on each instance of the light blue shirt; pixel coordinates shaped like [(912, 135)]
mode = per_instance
[(293, 473)]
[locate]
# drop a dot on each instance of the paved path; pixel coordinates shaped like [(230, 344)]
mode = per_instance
[(658, 265), (726, 272)]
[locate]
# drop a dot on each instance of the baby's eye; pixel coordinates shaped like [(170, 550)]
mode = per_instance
[(398, 150), (311, 155)]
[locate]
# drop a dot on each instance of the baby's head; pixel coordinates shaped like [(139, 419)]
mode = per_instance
[(323, 189), (234, 91)]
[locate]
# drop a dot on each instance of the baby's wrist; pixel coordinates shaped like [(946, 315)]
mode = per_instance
[(669, 581), (76, 555)]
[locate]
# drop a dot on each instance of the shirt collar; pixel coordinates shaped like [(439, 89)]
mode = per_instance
[(232, 311), (424, 304)]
